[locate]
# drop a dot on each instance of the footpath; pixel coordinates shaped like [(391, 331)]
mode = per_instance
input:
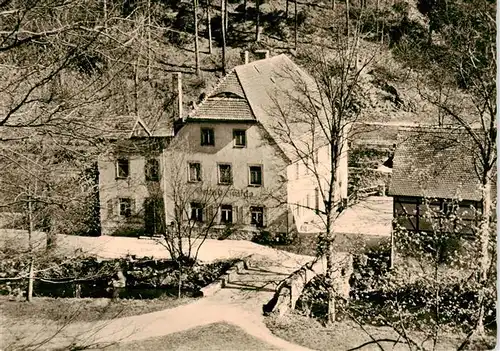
[(239, 303)]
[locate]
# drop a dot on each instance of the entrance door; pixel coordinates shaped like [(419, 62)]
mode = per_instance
[(154, 216)]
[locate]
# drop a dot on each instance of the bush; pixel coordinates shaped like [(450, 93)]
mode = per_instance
[(264, 237), (313, 301), (145, 278), (370, 269), (417, 302)]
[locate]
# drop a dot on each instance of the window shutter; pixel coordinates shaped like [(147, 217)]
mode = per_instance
[(264, 217), (237, 216), (111, 208), (132, 207), (209, 211)]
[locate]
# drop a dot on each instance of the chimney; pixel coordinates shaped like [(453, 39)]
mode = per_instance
[(262, 54), (246, 57), (179, 95)]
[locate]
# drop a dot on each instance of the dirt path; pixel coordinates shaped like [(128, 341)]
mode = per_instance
[(240, 303)]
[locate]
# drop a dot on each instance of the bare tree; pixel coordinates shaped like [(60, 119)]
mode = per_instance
[(315, 123), (193, 211), (471, 67), (39, 185)]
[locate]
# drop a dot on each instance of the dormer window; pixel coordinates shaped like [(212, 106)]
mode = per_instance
[(122, 168), (152, 170)]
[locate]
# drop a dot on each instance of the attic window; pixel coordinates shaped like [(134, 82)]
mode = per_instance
[(122, 168)]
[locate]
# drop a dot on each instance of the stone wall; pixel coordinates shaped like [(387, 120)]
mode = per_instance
[(289, 291)]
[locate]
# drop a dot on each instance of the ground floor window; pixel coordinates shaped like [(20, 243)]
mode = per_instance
[(226, 214), (257, 216), (125, 207), (196, 211)]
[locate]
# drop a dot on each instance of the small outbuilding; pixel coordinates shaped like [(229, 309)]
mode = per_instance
[(436, 171)]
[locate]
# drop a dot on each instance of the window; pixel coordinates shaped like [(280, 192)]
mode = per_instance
[(239, 137), (125, 207), (226, 214), (256, 175), (196, 212), (257, 216), (122, 168), (194, 172), (225, 176), (207, 137), (152, 170)]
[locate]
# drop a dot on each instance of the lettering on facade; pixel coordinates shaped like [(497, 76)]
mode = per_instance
[(222, 192)]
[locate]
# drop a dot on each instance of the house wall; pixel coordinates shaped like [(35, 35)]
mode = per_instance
[(134, 187), (410, 213), (240, 194), (306, 192)]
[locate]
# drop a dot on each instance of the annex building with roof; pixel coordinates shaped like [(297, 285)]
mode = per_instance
[(436, 171)]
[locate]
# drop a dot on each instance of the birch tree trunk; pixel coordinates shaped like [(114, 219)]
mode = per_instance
[(347, 21), (149, 39), (179, 291), (296, 30), (209, 26), (257, 21), (196, 48), (330, 268), (105, 14), (226, 16), (223, 29), (31, 277), (484, 263)]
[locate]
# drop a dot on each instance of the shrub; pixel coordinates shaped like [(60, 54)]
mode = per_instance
[(313, 301), (264, 237), (145, 278), (370, 269)]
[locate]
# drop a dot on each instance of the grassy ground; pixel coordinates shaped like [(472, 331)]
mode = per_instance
[(83, 310), (347, 335), (217, 336)]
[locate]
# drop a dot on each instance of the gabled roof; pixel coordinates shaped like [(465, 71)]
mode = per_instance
[(258, 91), (116, 127), (435, 163), (140, 129), (226, 102)]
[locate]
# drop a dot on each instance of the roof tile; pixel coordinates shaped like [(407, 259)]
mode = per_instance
[(435, 163)]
